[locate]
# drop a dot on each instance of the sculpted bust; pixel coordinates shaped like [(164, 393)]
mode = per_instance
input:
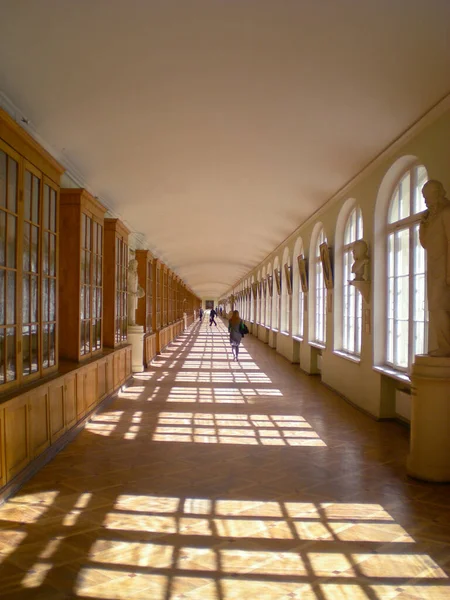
[(361, 266), (434, 233), (135, 291)]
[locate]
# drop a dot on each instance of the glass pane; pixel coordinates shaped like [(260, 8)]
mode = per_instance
[(87, 272), (34, 299), (12, 185), (11, 242), (2, 355), (393, 208), (94, 237), (82, 315), (26, 299), (87, 297), (45, 299), (53, 210), (11, 298), (402, 252), (45, 347), (82, 349), (405, 197), (2, 297), (3, 161), (52, 300), (26, 350), (402, 304), (421, 178), (27, 197), (35, 204), (52, 345), (83, 231), (26, 246), (34, 249), (46, 207), (45, 251), (52, 257), (99, 333), (2, 238), (88, 233), (402, 343), (34, 348)]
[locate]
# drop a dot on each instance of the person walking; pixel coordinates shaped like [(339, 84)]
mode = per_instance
[(212, 317), (235, 327), (201, 314)]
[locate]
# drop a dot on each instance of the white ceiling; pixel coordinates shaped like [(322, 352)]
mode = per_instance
[(215, 127)]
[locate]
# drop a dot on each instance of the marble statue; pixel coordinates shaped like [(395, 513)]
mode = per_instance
[(135, 291), (434, 234), (361, 266)]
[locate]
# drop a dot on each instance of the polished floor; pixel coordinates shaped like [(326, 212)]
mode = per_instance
[(208, 479)]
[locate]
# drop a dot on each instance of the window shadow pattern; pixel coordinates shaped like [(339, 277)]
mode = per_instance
[(135, 507)]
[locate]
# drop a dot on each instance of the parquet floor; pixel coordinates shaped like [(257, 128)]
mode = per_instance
[(208, 479)]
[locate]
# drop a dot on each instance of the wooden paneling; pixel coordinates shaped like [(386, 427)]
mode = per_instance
[(30, 423), (56, 404), (2, 448), (90, 386), (38, 407), (17, 451), (149, 349), (101, 378), (70, 400), (109, 373), (80, 403)]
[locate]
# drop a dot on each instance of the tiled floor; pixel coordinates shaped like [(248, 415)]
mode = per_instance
[(214, 480)]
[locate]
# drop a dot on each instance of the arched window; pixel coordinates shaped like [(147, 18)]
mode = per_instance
[(298, 298), (319, 292), (406, 299), (252, 297), (285, 296), (263, 296), (258, 298), (276, 298), (269, 297), (352, 300)]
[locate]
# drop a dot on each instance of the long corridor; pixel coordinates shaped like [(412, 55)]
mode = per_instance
[(208, 479)]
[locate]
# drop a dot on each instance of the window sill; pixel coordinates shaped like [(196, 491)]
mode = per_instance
[(398, 375), (297, 339), (351, 357), (285, 333), (275, 330), (318, 345)]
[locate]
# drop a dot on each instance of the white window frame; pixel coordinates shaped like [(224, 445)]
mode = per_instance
[(352, 299), (319, 295), (406, 321)]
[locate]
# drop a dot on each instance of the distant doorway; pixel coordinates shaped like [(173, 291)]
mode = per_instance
[(209, 304)]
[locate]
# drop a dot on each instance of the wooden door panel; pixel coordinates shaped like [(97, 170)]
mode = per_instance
[(80, 402), (56, 404), (17, 449), (70, 400), (39, 421)]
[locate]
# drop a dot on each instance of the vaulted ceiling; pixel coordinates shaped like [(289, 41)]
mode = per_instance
[(215, 127)]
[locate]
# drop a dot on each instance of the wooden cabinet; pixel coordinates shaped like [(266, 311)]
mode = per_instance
[(17, 450), (144, 313), (80, 402), (29, 201), (115, 283), (81, 274), (56, 409), (70, 400)]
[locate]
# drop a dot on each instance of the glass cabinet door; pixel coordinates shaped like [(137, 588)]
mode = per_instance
[(9, 170), (30, 273)]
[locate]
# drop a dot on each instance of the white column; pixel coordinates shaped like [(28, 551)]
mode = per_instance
[(136, 339)]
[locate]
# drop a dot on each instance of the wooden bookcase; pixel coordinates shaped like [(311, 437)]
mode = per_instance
[(29, 240), (81, 274), (115, 283), (144, 313)]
